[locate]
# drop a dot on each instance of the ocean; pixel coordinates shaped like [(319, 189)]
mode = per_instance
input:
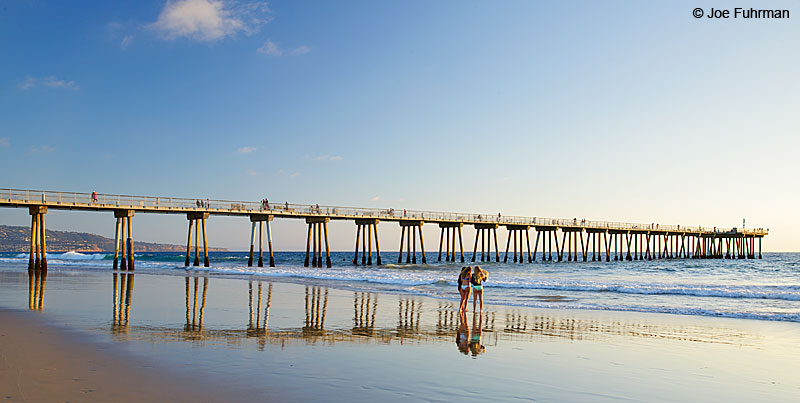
[(761, 289)]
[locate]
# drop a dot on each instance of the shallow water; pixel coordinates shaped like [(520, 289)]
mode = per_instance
[(311, 342), (764, 289)]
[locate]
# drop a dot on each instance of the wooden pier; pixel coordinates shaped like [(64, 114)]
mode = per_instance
[(580, 239)]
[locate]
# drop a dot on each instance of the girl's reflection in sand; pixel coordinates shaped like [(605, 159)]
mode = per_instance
[(469, 340)]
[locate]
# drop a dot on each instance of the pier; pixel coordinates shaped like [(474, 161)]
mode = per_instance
[(574, 239)]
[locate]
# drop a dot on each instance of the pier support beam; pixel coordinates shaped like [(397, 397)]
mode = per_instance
[(484, 232), (316, 227), (759, 246), (628, 239), (518, 231), (260, 220), (448, 233), (38, 255), (366, 230), (571, 235), (123, 234), (196, 220)]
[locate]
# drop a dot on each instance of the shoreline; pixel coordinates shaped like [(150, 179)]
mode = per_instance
[(550, 298)]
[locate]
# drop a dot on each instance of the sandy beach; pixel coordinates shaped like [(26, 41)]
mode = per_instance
[(288, 341), (40, 362)]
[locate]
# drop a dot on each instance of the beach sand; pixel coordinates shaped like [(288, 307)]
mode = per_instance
[(40, 362), (270, 340)]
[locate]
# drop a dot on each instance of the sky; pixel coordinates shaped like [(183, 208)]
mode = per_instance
[(617, 110)]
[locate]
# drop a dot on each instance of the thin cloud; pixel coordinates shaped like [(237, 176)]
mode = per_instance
[(4, 142), (126, 41), (300, 50), (251, 172), (376, 198), (328, 157), (36, 150), (209, 20), (270, 48), (30, 82), (292, 175), (245, 150)]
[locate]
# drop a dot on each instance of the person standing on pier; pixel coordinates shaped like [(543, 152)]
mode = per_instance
[(94, 197)]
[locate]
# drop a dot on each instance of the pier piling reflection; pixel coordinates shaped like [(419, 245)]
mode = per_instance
[(316, 309), (255, 326), (122, 299), (36, 281), (194, 323), (365, 305)]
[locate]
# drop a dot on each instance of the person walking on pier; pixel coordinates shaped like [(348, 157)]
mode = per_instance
[(478, 277), (94, 197), (464, 287)]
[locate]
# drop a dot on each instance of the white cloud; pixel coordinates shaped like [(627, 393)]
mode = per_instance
[(209, 20), (251, 172), (49, 81), (4, 142), (126, 41), (376, 198), (294, 175), (300, 50), (270, 48), (328, 157), (40, 150), (245, 150)]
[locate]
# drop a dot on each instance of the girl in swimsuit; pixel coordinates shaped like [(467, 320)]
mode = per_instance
[(464, 287), (478, 277)]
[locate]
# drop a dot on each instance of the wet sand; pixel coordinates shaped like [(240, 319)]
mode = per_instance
[(267, 340), (40, 362)]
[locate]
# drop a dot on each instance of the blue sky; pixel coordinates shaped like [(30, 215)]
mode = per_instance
[(624, 111)]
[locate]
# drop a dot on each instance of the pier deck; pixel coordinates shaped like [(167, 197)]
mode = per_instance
[(644, 240)]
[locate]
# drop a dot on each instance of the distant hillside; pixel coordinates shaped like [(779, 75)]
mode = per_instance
[(18, 239)]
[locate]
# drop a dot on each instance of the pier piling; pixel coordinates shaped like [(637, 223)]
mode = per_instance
[(316, 227)]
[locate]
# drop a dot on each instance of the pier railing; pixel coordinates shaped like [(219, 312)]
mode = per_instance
[(286, 209)]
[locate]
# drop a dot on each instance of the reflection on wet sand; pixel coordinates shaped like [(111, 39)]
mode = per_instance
[(194, 324), (257, 327), (469, 339), (315, 313), (533, 327), (365, 305), (408, 314), (123, 296), (410, 323), (36, 280)]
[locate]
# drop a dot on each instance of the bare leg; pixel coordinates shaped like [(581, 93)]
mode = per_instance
[(478, 294)]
